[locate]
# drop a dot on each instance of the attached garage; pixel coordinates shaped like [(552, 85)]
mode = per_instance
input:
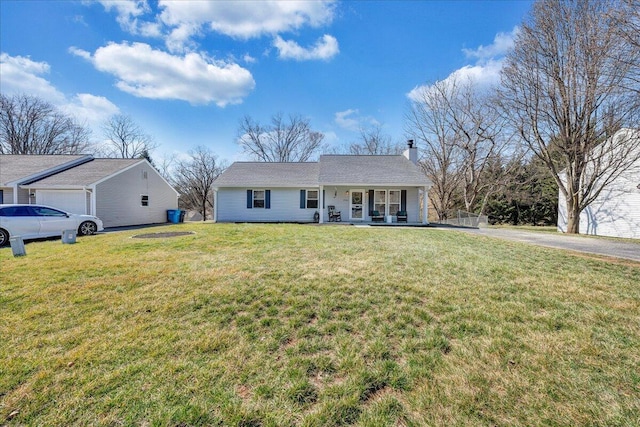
[(74, 201)]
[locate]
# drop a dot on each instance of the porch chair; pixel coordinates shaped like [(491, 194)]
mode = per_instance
[(334, 215), (376, 216), (402, 216)]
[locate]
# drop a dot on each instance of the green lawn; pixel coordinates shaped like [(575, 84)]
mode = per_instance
[(302, 325)]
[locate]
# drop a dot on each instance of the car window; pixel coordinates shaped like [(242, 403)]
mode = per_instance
[(16, 211), (42, 211)]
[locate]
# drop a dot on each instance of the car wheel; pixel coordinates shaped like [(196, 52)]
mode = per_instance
[(4, 237), (87, 228)]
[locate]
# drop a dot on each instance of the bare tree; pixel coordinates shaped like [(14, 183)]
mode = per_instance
[(282, 141), (30, 125), (427, 122), (194, 178), (374, 142), (125, 139), (565, 92), (480, 136)]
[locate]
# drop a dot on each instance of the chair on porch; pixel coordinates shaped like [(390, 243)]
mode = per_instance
[(334, 215), (402, 216), (376, 216)]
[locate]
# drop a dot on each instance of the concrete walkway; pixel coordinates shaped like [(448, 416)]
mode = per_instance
[(592, 245)]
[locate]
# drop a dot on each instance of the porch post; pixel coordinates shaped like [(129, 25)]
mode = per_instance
[(425, 205), (321, 204)]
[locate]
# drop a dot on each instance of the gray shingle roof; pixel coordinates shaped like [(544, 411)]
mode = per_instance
[(20, 167), (86, 174), (261, 174), (329, 170), (369, 170)]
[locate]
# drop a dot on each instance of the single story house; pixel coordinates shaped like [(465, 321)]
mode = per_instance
[(118, 191), (356, 186), (616, 210)]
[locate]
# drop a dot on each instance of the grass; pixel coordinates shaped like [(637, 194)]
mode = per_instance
[(294, 325)]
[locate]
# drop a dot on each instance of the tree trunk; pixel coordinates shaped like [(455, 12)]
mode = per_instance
[(573, 218)]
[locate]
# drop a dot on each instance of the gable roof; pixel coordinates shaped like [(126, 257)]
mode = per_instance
[(369, 170), (18, 169), (86, 174), (329, 170), (267, 174)]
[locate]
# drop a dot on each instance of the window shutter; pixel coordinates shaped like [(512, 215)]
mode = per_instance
[(370, 202), (323, 199), (249, 199), (403, 200), (267, 199), (303, 199)]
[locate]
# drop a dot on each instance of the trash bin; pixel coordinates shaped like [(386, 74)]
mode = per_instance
[(182, 214), (17, 246), (69, 236), (173, 216)]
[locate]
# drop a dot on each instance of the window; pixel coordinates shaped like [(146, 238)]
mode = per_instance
[(144, 174), (258, 198), (43, 211), (380, 201), (394, 201), (16, 211), (312, 199), (144, 200)]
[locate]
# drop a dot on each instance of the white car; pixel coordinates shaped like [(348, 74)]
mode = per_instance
[(36, 221)]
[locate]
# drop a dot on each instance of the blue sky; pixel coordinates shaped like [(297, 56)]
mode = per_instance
[(187, 72)]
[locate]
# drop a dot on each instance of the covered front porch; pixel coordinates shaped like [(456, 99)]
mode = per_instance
[(379, 205)]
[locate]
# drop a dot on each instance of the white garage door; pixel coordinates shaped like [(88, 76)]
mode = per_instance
[(73, 201)]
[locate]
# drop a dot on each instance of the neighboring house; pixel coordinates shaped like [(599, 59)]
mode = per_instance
[(293, 192), (616, 210), (118, 191)]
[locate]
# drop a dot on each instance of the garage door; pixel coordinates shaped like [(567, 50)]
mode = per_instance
[(73, 201)]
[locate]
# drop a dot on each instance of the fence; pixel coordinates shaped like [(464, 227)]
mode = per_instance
[(467, 219)]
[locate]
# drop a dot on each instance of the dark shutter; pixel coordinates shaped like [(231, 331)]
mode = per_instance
[(323, 197), (267, 199), (249, 199), (403, 200), (303, 199), (370, 202)]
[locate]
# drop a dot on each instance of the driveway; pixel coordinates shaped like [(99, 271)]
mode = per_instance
[(586, 244)]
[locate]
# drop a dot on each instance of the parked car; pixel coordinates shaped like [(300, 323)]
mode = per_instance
[(36, 221)]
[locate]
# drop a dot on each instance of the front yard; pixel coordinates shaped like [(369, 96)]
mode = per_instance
[(287, 325)]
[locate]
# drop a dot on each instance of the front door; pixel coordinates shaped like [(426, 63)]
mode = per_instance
[(356, 200)]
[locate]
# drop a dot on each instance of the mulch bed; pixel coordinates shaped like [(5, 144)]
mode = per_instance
[(161, 235)]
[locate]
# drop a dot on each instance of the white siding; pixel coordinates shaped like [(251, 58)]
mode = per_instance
[(118, 198), (285, 206), (7, 194), (615, 213)]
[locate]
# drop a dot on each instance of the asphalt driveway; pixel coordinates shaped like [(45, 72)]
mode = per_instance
[(592, 245)]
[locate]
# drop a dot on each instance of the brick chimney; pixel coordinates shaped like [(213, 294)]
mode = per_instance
[(411, 153)]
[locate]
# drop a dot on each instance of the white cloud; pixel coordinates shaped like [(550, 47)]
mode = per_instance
[(21, 75), (485, 72), (148, 73), (94, 109), (129, 13), (352, 120), (502, 43), (248, 19), (345, 119), (324, 49)]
